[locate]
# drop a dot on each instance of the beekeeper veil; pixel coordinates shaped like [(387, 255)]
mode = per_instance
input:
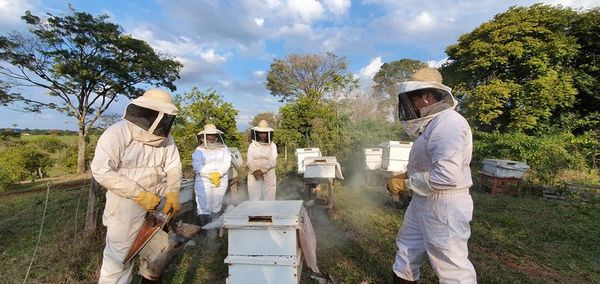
[(262, 133), (421, 99), (151, 116), (205, 137)]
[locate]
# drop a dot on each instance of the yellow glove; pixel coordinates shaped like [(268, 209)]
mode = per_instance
[(148, 200), (215, 178), (172, 202), (397, 184)]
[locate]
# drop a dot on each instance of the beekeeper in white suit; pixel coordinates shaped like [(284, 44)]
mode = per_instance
[(436, 222), (137, 161), (211, 161), (262, 158)]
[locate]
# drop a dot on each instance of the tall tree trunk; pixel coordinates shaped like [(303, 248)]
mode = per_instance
[(81, 147), (91, 215)]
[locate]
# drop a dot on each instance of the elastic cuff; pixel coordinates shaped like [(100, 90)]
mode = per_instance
[(136, 191)]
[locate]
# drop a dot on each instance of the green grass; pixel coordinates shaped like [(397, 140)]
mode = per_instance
[(514, 239), (63, 255)]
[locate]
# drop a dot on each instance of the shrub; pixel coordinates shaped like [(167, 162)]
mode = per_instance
[(23, 162), (547, 155)]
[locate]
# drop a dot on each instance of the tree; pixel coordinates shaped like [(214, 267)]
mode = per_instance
[(270, 117), (586, 29), (514, 72), (84, 63), (308, 75), (309, 122), (386, 80), (196, 109)]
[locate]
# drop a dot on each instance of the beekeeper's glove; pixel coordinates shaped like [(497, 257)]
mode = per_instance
[(215, 178), (397, 184), (172, 203), (148, 200)]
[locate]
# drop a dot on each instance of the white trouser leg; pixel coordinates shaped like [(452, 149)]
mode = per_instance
[(216, 195), (447, 233), (269, 185), (409, 241), (202, 200), (123, 219), (254, 188)]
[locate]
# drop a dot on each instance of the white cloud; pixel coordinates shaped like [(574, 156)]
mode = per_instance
[(212, 57), (586, 4), (224, 83), (11, 12), (436, 63), (297, 29), (365, 75), (338, 7), (259, 73), (308, 10), (372, 68), (259, 21)]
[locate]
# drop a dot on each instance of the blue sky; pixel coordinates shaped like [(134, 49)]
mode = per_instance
[(229, 45)]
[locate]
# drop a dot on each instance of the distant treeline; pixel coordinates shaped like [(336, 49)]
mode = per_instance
[(19, 131)]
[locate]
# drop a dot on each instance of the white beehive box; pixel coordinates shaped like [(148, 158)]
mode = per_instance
[(302, 153), (266, 228), (320, 167), (236, 156), (186, 193), (264, 269), (395, 156), (504, 168), (373, 158)]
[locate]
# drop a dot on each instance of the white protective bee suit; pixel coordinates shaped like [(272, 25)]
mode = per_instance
[(262, 156), (436, 223), (132, 156), (210, 158)]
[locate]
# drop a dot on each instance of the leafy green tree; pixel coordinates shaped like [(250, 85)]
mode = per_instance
[(309, 122), (24, 162), (84, 63), (196, 109), (270, 117), (586, 29), (308, 75), (386, 80), (514, 72)]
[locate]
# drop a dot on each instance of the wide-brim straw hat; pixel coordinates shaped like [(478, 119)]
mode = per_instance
[(424, 78), (263, 126), (210, 129)]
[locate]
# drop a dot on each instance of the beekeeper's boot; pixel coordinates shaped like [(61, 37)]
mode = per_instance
[(398, 280), (144, 280), (203, 219)]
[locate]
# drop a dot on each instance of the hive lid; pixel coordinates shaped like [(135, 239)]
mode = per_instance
[(265, 213)]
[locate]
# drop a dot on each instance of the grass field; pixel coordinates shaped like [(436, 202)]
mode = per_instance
[(514, 239)]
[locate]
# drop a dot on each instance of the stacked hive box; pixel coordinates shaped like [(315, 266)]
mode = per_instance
[(373, 158), (320, 167), (395, 156), (263, 244), (302, 153)]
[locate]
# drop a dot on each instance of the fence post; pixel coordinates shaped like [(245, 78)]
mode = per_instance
[(91, 215)]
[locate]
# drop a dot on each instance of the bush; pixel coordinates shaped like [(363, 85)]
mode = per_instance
[(547, 155), (23, 162), (47, 143)]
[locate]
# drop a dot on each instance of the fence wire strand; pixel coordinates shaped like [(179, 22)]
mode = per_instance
[(39, 234)]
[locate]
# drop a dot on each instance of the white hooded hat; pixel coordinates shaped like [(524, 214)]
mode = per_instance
[(415, 120), (208, 130), (263, 126), (153, 113)]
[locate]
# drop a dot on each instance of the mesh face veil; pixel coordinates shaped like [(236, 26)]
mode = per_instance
[(202, 140), (149, 120), (256, 136)]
